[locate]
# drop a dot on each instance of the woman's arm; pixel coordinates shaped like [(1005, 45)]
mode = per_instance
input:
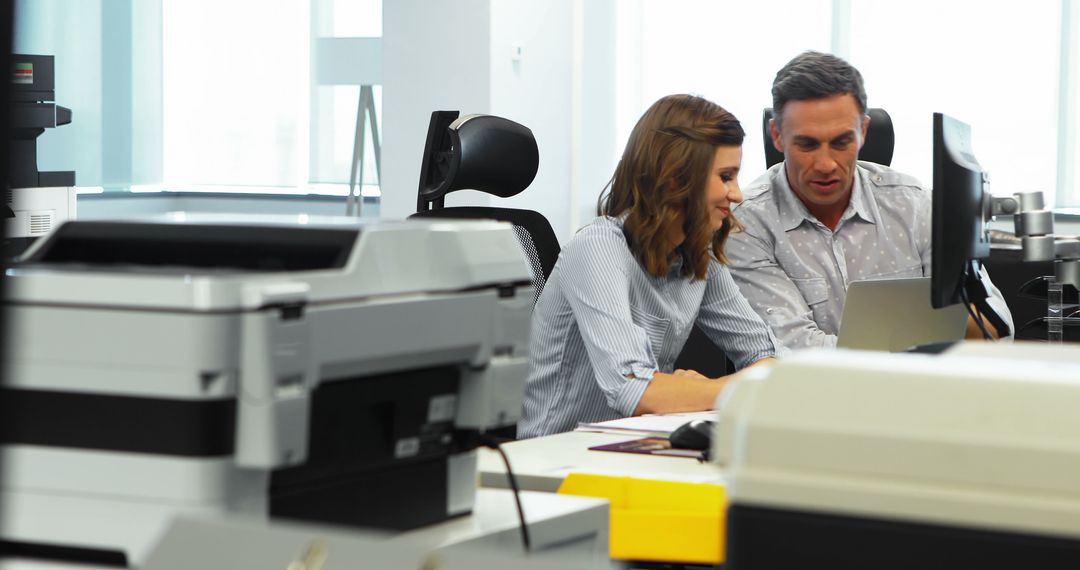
[(685, 391), (728, 320), (680, 391)]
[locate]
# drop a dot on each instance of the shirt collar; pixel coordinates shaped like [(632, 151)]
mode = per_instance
[(793, 212), (861, 199)]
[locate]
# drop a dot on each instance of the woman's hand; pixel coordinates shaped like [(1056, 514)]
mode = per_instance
[(681, 373), (685, 391), (680, 391)]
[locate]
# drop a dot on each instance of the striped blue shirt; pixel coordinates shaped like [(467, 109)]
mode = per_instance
[(603, 326)]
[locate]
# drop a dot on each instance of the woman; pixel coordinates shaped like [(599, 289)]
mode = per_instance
[(628, 288)]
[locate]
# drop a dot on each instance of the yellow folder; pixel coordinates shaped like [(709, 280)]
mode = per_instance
[(658, 521)]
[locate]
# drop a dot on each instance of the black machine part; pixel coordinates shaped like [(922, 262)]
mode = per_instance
[(34, 110), (841, 542), (121, 246)]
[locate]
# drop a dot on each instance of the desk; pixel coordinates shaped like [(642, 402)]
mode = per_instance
[(561, 528), (565, 532), (541, 464)]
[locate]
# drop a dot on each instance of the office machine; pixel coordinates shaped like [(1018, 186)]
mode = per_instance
[(968, 459), (35, 201), (320, 371)]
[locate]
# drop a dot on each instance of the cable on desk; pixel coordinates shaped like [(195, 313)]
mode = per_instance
[(492, 443)]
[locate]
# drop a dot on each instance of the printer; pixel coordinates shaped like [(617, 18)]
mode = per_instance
[(313, 370), (35, 201), (846, 459)]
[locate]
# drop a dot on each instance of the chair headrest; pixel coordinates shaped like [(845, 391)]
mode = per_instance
[(478, 152), (878, 146)]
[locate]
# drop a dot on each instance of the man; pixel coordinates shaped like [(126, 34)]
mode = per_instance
[(820, 219)]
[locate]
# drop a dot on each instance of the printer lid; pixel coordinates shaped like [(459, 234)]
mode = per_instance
[(213, 262), (218, 248), (949, 439)]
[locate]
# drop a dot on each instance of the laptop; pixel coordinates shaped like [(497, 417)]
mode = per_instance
[(894, 315)]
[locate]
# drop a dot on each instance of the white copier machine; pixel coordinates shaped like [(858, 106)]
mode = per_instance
[(315, 371), (854, 459)]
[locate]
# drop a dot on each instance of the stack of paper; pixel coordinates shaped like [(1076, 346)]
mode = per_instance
[(661, 424)]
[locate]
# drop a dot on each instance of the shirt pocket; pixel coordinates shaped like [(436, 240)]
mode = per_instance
[(814, 290), (655, 328), (903, 272)]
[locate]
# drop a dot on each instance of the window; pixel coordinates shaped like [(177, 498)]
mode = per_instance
[(244, 108), (1006, 72), (997, 72), (354, 19), (727, 52), (1069, 85), (347, 50), (235, 93)]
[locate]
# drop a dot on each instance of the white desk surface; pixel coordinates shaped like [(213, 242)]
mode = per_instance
[(565, 531), (541, 464), (575, 530)]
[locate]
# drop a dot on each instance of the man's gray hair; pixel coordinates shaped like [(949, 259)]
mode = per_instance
[(816, 75)]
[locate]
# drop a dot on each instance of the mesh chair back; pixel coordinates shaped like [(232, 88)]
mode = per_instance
[(533, 231)]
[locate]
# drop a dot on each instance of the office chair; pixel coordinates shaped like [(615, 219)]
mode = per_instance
[(878, 146), (493, 155)]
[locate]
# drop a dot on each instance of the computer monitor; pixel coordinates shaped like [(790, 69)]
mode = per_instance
[(962, 207), (959, 236)]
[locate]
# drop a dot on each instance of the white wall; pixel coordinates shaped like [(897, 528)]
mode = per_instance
[(537, 92), (435, 57), (462, 57), (600, 145)]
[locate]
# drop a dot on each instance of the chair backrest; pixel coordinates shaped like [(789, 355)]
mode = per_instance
[(492, 155), (878, 146)]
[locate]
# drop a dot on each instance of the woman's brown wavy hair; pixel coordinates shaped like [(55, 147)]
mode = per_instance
[(661, 179)]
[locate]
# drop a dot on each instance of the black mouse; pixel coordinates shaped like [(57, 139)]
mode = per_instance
[(694, 434)]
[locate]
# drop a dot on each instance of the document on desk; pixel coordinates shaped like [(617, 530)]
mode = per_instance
[(649, 446), (658, 424)]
